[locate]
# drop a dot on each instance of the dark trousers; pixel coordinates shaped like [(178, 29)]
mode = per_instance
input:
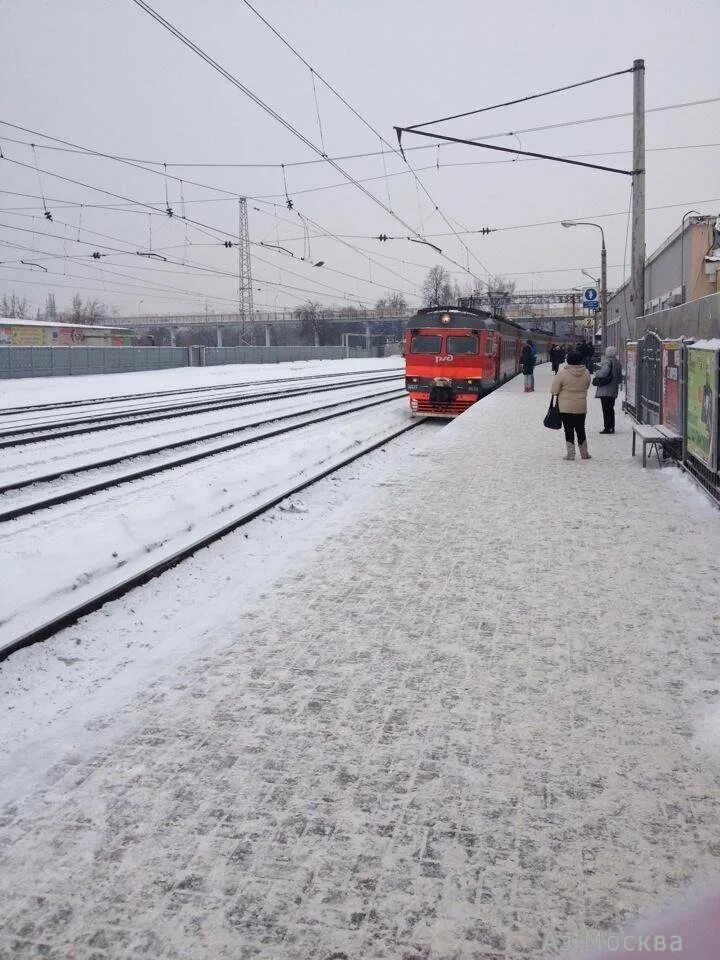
[(608, 409), (574, 423), (555, 366)]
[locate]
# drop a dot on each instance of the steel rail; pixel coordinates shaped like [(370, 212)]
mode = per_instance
[(117, 590), (119, 480), (27, 436), (176, 444), (189, 404), (7, 411)]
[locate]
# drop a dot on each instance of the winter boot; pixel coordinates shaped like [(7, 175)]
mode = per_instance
[(584, 451), (570, 455)]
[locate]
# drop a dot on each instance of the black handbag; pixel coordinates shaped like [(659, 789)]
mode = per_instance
[(552, 418), (604, 381)]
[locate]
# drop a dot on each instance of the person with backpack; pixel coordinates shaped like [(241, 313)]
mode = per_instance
[(608, 380), (527, 362), (570, 386)]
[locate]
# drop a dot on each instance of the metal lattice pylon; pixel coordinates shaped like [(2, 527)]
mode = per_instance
[(245, 297)]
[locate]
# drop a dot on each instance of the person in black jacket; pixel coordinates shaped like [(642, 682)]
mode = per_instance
[(527, 362), (588, 355), (557, 355)]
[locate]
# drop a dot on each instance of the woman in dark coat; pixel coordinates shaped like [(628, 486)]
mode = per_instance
[(607, 392), (527, 362)]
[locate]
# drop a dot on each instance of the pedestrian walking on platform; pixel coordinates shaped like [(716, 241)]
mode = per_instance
[(557, 355), (607, 380), (570, 386), (527, 362)]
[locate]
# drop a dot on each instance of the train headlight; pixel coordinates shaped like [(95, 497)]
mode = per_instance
[(445, 318)]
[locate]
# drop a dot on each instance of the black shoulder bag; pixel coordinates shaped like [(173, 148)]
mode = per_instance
[(552, 418)]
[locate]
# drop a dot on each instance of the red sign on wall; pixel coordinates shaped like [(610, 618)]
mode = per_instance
[(671, 368)]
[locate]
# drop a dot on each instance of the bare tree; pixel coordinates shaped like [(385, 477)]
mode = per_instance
[(50, 308), (13, 306), (437, 290), (91, 312), (499, 293), (392, 303), (94, 311), (311, 322)]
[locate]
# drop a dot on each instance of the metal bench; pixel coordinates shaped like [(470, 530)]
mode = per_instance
[(658, 438)]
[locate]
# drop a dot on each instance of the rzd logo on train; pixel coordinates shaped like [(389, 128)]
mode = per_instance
[(443, 359)]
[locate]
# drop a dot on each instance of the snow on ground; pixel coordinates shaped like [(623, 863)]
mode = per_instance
[(464, 720), (53, 693), (68, 553), (36, 459), (116, 409), (34, 390)]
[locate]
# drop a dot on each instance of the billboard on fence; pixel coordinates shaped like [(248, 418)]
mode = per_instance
[(702, 405), (631, 374), (671, 375)]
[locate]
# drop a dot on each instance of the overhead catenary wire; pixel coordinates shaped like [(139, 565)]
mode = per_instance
[(523, 153), (366, 123), (70, 148), (203, 269), (533, 96), (60, 204), (280, 119), (196, 223), (210, 270), (154, 207), (133, 251)]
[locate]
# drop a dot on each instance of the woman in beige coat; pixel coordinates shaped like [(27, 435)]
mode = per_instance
[(570, 386)]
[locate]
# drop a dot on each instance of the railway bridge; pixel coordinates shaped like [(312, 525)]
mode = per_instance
[(366, 320)]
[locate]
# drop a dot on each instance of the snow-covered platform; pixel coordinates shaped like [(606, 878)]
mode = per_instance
[(482, 721)]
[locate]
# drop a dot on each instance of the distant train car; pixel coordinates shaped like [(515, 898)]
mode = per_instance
[(453, 356)]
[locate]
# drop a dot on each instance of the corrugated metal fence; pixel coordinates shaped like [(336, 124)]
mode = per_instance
[(18, 362)]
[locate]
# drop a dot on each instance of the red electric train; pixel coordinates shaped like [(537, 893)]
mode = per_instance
[(455, 355)]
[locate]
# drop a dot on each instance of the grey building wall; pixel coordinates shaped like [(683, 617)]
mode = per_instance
[(674, 270), (699, 319)]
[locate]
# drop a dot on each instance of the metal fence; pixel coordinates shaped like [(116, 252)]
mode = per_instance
[(17, 362), (245, 354), (676, 384)]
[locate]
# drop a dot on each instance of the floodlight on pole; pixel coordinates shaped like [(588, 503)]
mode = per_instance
[(603, 270)]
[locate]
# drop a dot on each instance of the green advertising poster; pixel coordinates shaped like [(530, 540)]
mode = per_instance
[(702, 405)]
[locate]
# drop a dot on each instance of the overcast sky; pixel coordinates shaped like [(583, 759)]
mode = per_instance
[(104, 75)]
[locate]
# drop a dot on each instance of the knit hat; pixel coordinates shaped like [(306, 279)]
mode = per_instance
[(610, 351), (574, 359)]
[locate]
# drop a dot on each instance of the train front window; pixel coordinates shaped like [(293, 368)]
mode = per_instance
[(426, 344), (459, 345)]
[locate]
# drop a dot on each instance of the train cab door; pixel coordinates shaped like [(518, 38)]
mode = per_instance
[(497, 357)]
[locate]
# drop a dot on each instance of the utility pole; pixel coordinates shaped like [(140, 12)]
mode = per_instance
[(637, 285), (603, 296), (245, 297)]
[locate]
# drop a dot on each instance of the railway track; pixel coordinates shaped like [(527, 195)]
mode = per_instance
[(179, 553), (353, 405), (23, 435), (9, 411)]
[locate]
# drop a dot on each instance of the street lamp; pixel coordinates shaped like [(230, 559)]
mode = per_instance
[(603, 271), (140, 303)]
